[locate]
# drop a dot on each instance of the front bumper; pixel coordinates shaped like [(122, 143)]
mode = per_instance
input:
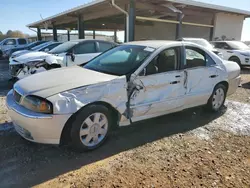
[(36, 127), (233, 85), (14, 68)]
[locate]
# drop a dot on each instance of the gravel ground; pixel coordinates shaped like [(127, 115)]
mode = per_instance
[(186, 149)]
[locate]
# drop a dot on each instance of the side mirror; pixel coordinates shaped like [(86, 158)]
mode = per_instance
[(143, 72), (71, 55)]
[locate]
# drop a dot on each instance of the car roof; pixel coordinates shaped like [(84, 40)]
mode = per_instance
[(193, 38), (153, 43), (85, 40)]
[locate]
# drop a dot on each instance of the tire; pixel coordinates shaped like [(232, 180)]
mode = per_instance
[(235, 59), (91, 120), (215, 103), (1, 54)]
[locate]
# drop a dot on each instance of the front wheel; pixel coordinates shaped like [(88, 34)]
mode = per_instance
[(90, 128), (217, 99)]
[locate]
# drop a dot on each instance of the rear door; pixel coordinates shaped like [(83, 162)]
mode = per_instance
[(83, 52), (202, 76)]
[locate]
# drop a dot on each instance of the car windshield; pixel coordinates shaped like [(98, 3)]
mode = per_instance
[(121, 60), (237, 45), (63, 47), (36, 48), (202, 42)]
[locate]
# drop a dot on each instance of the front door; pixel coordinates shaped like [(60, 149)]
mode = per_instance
[(160, 87), (9, 44), (202, 76)]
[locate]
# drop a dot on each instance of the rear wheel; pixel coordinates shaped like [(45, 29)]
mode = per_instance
[(90, 128), (235, 59), (217, 99)]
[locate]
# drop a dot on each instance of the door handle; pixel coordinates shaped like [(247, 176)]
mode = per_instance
[(213, 76), (175, 82), (177, 76)]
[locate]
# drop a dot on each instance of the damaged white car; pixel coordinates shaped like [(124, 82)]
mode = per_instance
[(131, 82), (70, 53)]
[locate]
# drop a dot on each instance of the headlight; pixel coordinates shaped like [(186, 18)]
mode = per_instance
[(37, 104), (245, 54)]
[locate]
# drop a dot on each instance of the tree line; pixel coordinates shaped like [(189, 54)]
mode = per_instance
[(10, 33)]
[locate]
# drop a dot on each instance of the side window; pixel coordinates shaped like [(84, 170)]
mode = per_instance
[(104, 46), (167, 60), (22, 41), (195, 57), (85, 48), (50, 47), (209, 61), (10, 42)]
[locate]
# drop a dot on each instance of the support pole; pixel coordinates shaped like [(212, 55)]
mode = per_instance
[(115, 36), (54, 33), (179, 26), (132, 20), (68, 34), (93, 34), (39, 35), (80, 24)]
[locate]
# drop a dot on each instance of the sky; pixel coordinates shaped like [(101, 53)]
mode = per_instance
[(16, 14)]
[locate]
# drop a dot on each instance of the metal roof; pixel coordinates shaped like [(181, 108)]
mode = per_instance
[(211, 6), (183, 2)]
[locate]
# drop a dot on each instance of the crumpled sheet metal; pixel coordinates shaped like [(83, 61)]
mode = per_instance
[(113, 93)]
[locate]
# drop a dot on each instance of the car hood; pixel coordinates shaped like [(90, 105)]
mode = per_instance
[(32, 56), (18, 53), (49, 83)]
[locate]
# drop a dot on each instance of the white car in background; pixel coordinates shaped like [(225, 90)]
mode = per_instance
[(131, 82), (205, 44), (70, 53), (44, 47), (235, 51)]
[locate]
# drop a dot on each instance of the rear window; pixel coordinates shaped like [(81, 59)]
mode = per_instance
[(22, 41), (104, 46)]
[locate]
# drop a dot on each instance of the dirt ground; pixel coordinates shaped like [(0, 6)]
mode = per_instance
[(192, 148)]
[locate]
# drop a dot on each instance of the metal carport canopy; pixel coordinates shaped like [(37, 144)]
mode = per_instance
[(101, 15)]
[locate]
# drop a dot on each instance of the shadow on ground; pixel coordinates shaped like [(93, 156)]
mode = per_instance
[(36, 163)]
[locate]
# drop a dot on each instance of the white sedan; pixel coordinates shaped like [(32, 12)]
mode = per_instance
[(70, 53), (131, 82), (235, 51)]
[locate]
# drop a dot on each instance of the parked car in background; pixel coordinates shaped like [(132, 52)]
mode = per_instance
[(131, 82), (10, 43), (44, 47), (70, 53), (27, 47), (235, 51), (204, 43)]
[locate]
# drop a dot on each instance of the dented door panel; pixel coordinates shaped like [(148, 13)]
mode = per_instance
[(158, 93), (200, 85)]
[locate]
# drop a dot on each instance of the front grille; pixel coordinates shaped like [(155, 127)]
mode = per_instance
[(14, 69), (17, 96)]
